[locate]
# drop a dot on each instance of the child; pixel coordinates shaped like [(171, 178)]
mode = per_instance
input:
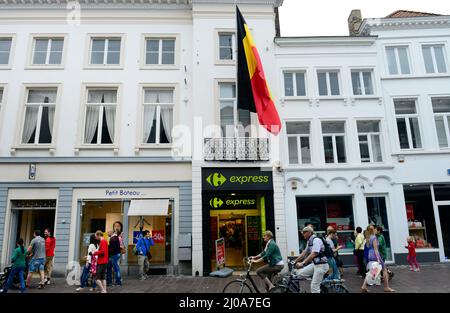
[(412, 254)]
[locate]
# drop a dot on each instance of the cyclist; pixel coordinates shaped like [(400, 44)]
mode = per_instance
[(315, 262), (272, 256)]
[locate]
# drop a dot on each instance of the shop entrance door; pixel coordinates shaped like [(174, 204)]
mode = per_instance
[(232, 228), (444, 217)]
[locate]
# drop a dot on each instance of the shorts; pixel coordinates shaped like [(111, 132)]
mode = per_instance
[(101, 272), (36, 265)]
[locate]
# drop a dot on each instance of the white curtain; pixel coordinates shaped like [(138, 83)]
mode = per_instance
[(166, 116), (91, 123), (110, 112), (149, 115), (30, 123), (158, 96), (41, 96), (51, 116), (102, 96)]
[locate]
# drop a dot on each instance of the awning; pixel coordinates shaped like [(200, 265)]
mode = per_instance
[(149, 207)]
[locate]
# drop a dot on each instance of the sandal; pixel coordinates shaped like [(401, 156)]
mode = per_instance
[(365, 290), (389, 290)]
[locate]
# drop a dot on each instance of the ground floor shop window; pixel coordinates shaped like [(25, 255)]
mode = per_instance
[(420, 214), (322, 212), (377, 213)]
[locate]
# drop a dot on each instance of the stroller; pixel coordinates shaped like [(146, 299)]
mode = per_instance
[(16, 282)]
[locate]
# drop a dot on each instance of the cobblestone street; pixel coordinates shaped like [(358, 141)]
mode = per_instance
[(432, 278)]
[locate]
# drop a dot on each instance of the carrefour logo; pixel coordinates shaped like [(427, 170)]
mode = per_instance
[(216, 179), (215, 203)]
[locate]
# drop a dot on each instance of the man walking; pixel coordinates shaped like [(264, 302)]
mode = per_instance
[(37, 251), (143, 252), (114, 258), (50, 243), (102, 261)]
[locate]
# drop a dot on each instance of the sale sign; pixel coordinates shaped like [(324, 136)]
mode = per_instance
[(158, 236), (220, 251)]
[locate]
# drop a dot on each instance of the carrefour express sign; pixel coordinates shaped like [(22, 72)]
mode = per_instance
[(236, 179)]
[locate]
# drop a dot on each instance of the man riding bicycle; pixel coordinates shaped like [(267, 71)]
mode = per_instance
[(272, 256), (315, 262)]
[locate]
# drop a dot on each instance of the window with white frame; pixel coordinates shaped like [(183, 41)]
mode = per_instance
[(294, 84), (233, 121), (298, 135), (369, 136), (227, 46), (105, 51), (100, 122), (159, 51), (328, 82), (158, 115), (398, 60), (407, 124), (441, 109), (5, 50), (39, 116), (47, 51), (333, 133), (434, 58), (362, 82)]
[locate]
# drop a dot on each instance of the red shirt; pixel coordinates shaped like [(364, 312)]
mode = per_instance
[(102, 252), (411, 249), (50, 243)]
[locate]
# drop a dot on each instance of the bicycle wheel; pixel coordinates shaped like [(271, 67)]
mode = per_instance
[(333, 289), (278, 289), (237, 286)]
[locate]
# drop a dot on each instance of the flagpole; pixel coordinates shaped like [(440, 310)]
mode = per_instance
[(237, 66)]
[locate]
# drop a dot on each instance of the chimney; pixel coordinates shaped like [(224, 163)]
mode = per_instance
[(277, 22), (354, 22)]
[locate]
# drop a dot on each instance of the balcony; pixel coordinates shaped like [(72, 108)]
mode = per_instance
[(236, 149)]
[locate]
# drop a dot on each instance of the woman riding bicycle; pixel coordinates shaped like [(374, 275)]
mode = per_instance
[(272, 256)]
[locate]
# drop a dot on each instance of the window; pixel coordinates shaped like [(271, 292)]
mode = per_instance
[(298, 134), (328, 83), (5, 50), (334, 141), (105, 51), (362, 83), (441, 109), (369, 137), (39, 116), (158, 115), (398, 62), (226, 46), (47, 51), (294, 84), (233, 121), (100, 116), (407, 124), (433, 56), (159, 51)]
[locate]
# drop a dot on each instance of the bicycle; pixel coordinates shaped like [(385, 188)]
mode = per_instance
[(240, 285)]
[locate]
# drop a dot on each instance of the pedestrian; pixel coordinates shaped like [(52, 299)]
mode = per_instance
[(374, 256), (90, 262), (143, 253), (315, 262), (412, 260), (272, 256), (335, 273), (359, 251), (18, 267), (102, 261), (50, 243), (37, 252), (381, 242), (114, 254)]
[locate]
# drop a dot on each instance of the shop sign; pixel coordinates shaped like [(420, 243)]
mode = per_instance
[(220, 251), (123, 193), (227, 203), (158, 236), (236, 179)]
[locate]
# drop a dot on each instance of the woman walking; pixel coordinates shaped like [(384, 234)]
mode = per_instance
[(18, 267), (374, 256)]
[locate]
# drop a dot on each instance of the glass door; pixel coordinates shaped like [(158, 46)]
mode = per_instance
[(444, 217), (377, 213)]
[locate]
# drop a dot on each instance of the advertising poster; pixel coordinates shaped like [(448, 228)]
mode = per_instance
[(220, 251)]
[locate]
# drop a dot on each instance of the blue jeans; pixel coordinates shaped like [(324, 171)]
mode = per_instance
[(335, 274), (114, 265), (12, 274), (85, 277)]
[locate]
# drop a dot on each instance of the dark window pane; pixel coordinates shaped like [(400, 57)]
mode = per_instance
[(301, 88), (106, 138), (334, 84), (340, 146), (45, 134), (402, 133), (306, 150), (293, 150), (322, 81), (328, 148), (288, 85)]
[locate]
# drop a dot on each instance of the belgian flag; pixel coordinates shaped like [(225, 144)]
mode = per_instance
[(253, 92)]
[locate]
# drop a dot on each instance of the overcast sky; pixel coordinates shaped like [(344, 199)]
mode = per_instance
[(329, 17)]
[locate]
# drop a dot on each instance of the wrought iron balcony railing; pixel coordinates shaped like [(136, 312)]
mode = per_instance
[(236, 149)]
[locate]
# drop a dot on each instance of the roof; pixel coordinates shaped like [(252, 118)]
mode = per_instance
[(405, 13)]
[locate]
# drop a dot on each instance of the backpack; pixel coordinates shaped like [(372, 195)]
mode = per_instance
[(327, 252)]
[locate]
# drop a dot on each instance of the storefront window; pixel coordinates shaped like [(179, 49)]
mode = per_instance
[(442, 192), (322, 212), (377, 213), (420, 214)]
